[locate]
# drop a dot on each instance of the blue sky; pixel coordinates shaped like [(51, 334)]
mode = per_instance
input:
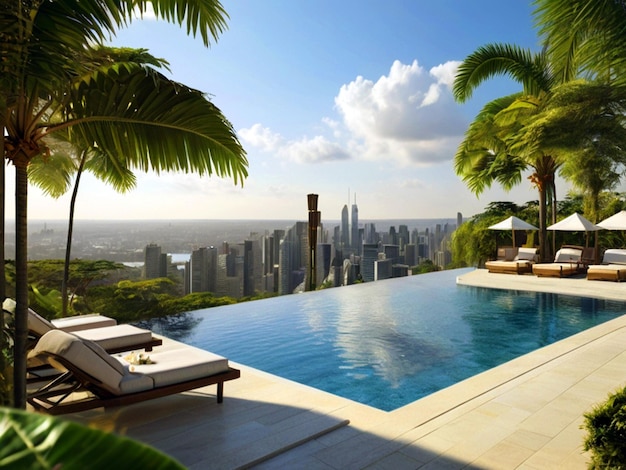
[(330, 97)]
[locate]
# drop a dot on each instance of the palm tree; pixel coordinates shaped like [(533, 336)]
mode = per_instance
[(584, 38), (490, 151), (54, 84)]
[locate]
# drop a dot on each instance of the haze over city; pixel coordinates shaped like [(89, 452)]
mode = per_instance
[(345, 100)]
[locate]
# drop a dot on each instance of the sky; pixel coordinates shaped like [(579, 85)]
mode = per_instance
[(348, 99)]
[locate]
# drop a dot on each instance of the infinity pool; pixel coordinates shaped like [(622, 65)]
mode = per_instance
[(391, 342)]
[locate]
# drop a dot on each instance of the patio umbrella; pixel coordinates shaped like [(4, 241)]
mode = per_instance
[(575, 223), (512, 223), (615, 222)]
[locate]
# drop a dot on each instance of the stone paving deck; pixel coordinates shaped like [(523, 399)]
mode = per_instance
[(523, 414)]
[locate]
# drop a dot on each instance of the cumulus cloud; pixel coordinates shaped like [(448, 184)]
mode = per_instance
[(405, 117), (261, 137), (408, 114), (305, 150)]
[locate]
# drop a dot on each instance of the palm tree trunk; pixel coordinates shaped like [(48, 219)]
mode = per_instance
[(21, 281), (70, 229), (543, 245)]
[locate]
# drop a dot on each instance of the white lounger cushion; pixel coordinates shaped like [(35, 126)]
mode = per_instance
[(565, 255), (180, 365), (83, 322), (120, 378), (527, 254), (116, 337), (614, 256), (40, 326)]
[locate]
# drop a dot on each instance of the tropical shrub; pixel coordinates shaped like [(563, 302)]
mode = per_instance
[(606, 432), (33, 440)]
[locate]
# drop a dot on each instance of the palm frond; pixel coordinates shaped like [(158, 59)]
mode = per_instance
[(153, 123), (491, 60)]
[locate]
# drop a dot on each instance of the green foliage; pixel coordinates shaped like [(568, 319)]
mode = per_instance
[(36, 441), (426, 266), (193, 301), (606, 432)]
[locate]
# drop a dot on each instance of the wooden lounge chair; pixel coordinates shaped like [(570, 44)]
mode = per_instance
[(567, 262), (521, 263), (98, 328), (110, 381), (613, 267)]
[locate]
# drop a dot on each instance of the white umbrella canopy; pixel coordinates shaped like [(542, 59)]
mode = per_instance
[(615, 222), (574, 223), (512, 223)]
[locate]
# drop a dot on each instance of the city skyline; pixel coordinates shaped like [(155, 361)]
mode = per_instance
[(326, 98)]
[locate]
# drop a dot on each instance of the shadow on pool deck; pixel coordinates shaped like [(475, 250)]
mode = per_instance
[(523, 414)]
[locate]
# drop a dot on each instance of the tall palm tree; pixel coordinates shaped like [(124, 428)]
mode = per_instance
[(584, 38), (46, 63), (495, 131)]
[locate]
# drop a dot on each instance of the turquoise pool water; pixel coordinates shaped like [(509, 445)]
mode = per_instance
[(391, 342)]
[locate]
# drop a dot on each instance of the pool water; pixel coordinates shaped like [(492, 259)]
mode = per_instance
[(387, 343)]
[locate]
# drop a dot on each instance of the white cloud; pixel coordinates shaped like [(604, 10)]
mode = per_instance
[(306, 150), (261, 137), (408, 116)]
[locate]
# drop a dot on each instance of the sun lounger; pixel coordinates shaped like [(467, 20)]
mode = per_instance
[(111, 381), (98, 328), (613, 267), (520, 264), (567, 262)]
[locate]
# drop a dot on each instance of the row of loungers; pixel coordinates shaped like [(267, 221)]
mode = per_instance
[(89, 361), (568, 261)]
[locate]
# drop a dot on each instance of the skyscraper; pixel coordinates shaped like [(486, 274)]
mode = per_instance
[(355, 239), (152, 261), (345, 230)]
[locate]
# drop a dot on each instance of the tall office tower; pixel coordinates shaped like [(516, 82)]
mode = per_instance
[(152, 261), (187, 278), (415, 236), (393, 236), (459, 219), (355, 241), (369, 234), (252, 267), (268, 249), (323, 262), (370, 255), (382, 269), (291, 268), (204, 269), (337, 237), (410, 254), (392, 252), (403, 236), (345, 230)]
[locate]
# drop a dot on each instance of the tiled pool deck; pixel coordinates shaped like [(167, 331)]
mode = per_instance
[(523, 414)]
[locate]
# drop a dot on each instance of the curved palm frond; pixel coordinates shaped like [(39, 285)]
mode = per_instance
[(112, 171), (491, 60), (153, 123), (584, 37)]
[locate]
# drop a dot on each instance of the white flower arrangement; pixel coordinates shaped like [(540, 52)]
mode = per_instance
[(138, 359)]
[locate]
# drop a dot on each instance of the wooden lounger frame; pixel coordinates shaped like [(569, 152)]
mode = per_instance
[(616, 275), (51, 398)]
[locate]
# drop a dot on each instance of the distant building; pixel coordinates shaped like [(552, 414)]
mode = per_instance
[(382, 269), (370, 255), (204, 269), (345, 230), (355, 239), (153, 262)]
